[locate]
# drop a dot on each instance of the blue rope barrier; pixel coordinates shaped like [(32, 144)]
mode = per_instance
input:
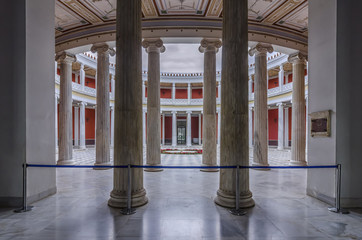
[(179, 167)]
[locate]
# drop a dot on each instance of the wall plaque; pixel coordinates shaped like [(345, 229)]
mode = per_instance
[(320, 124)]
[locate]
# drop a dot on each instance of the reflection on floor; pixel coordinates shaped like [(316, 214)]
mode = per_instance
[(180, 207)]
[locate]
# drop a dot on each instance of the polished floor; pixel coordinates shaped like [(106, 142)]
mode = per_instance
[(180, 207)]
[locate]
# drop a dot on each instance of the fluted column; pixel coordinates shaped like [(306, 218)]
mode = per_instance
[(189, 93), (173, 92), (128, 147), (281, 77), (260, 153), (144, 112), (298, 110), (188, 130), (82, 125), (103, 119), (251, 127), (153, 47), (76, 126), (218, 126), (82, 76), (286, 127), (280, 126), (234, 147), (112, 126), (65, 108), (209, 47), (174, 129)]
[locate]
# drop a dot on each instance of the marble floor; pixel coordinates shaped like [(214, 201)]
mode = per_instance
[(180, 207)]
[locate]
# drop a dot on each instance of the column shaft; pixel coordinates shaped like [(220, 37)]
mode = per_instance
[(200, 129), (286, 127), (250, 127), (102, 113), (65, 110), (153, 47), (82, 125), (112, 126), (298, 111), (188, 131), (234, 148), (76, 126), (280, 126), (128, 147), (260, 153), (218, 126), (174, 129)]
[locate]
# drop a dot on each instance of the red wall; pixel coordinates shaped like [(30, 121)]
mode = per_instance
[(90, 82), (217, 92), (273, 124), (196, 93), (168, 127), (194, 127), (290, 78), (181, 94), (145, 91), (90, 123), (273, 83), (165, 93)]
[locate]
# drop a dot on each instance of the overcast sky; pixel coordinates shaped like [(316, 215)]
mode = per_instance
[(182, 58)]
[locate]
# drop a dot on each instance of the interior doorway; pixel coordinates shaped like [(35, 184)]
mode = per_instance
[(181, 132)]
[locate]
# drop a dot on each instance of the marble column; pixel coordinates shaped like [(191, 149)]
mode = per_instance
[(56, 123), (82, 125), (250, 85), (163, 129), (260, 153), (112, 126), (189, 93), (281, 77), (280, 126), (82, 76), (286, 127), (65, 108), (103, 119), (298, 110), (76, 126), (234, 147), (173, 92), (200, 128), (112, 86), (153, 46), (174, 129), (209, 47), (143, 92), (250, 127), (188, 130), (128, 147), (144, 112), (218, 126)]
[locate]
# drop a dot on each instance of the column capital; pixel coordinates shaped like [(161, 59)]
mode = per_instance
[(189, 112), (280, 104), (297, 57), (65, 57), (153, 45), (102, 48), (261, 49), (83, 104), (173, 112), (210, 44)]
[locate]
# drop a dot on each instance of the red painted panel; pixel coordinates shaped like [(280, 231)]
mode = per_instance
[(196, 93), (90, 82), (168, 127), (217, 92), (273, 83), (290, 78), (202, 122), (90, 123), (181, 117), (252, 90), (165, 93), (73, 77), (181, 94), (58, 71), (194, 127), (145, 91), (273, 124)]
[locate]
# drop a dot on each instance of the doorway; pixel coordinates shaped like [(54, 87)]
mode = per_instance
[(181, 132)]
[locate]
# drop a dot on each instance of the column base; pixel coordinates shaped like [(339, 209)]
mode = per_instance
[(280, 148), (102, 164), (228, 200), (66, 162), (297, 163), (261, 165), (153, 169), (82, 147), (119, 199), (209, 169)]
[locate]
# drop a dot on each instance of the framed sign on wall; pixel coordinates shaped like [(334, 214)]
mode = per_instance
[(320, 124)]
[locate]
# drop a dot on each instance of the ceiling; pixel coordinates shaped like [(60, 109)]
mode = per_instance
[(81, 22)]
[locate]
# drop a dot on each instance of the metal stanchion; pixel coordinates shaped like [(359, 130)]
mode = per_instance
[(237, 211), (25, 208), (337, 208), (129, 210)]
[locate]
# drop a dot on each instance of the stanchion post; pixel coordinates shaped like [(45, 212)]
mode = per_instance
[(237, 211), (129, 210), (337, 208), (25, 208)]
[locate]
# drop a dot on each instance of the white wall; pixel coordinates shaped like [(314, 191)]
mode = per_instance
[(335, 84), (26, 98)]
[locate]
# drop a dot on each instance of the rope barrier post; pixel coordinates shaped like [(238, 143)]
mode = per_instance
[(25, 208), (129, 210), (337, 208), (237, 211)]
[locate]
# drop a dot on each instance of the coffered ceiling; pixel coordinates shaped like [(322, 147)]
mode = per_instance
[(284, 20)]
